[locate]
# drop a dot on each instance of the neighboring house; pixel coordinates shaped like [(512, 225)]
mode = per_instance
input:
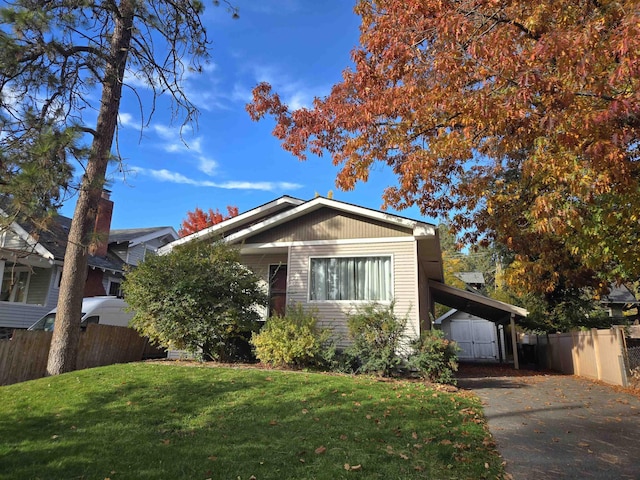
[(31, 264), (477, 338), (618, 300), (333, 256), (132, 245)]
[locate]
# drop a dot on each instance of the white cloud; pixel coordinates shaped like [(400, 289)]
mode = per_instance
[(176, 140), (164, 175), (126, 120), (207, 165)]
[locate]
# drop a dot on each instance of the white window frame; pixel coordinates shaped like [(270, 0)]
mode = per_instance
[(16, 272), (360, 255)]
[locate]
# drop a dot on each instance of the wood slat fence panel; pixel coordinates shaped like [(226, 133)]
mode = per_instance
[(24, 356)]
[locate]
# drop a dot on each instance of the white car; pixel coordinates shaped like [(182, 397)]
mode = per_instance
[(103, 310)]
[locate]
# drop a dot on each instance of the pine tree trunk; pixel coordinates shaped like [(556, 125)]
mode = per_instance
[(66, 335)]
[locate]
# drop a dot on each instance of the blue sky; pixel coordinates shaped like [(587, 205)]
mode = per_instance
[(301, 47)]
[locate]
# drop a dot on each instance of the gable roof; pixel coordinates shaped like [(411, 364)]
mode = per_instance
[(238, 221), (619, 295), (136, 236), (285, 209), (51, 243)]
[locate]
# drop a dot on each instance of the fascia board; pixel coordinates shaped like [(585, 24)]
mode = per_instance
[(150, 236), (32, 242)]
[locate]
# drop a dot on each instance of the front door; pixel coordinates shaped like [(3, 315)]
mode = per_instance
[(277, 290)]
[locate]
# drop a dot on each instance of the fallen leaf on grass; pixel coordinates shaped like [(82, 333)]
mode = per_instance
[(352, 468), (213, 458), (273, 422), (321, 450), (446, 441)]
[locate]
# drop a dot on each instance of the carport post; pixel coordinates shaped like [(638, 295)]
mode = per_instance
[(514, 343)]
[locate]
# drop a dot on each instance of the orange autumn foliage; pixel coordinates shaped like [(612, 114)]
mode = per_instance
[(198, 219), (518, 119)]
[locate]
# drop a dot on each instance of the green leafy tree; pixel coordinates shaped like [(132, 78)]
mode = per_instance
[(199, 298), (56, 58)]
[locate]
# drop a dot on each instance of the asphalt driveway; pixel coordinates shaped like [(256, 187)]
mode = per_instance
[(549, 426)]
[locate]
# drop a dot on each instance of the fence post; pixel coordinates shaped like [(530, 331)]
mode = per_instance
[(596, 351), (514, 340), (619, 332)]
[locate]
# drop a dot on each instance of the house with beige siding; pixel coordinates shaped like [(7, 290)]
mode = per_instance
[(333, 256)]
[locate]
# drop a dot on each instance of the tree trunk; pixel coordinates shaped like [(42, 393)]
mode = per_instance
[(66, 335)]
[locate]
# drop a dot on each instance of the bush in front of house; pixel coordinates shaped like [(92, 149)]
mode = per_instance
[(377, 337), (198, 298), (294, 340), (434, 357)]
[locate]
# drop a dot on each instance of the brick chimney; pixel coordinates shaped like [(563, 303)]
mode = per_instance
[(100, 240)]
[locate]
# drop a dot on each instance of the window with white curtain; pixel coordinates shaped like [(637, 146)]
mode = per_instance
[(350, 278)]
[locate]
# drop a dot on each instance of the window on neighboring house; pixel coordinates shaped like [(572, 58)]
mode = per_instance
[(114, 289), (15, 285), (350, 278)]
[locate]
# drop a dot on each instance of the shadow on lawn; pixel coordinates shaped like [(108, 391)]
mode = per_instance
[(178, 426)]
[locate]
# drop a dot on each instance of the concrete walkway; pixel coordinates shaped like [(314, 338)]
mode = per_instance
[(558, 426)]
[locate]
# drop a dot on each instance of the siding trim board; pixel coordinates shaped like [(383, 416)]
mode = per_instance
[(315, 243)]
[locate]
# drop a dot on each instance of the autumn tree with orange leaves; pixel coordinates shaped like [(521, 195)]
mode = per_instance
[(198, 219), (519, 120)]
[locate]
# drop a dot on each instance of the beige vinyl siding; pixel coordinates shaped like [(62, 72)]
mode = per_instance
[(333, 313), (328, 224), (259, 263)]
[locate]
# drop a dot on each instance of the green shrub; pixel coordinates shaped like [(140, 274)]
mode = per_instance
[(293, 340), (198, 298), (377, 337), (434, 357)]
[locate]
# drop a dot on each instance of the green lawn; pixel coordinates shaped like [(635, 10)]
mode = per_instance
[(163, 421)]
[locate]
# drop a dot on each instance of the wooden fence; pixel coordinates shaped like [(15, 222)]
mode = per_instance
[(24, 357), (595, 354)]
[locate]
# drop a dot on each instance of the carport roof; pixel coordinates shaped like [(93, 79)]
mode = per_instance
[(479, 305)]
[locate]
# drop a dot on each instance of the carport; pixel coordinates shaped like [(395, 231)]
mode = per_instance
[(498, 312)]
